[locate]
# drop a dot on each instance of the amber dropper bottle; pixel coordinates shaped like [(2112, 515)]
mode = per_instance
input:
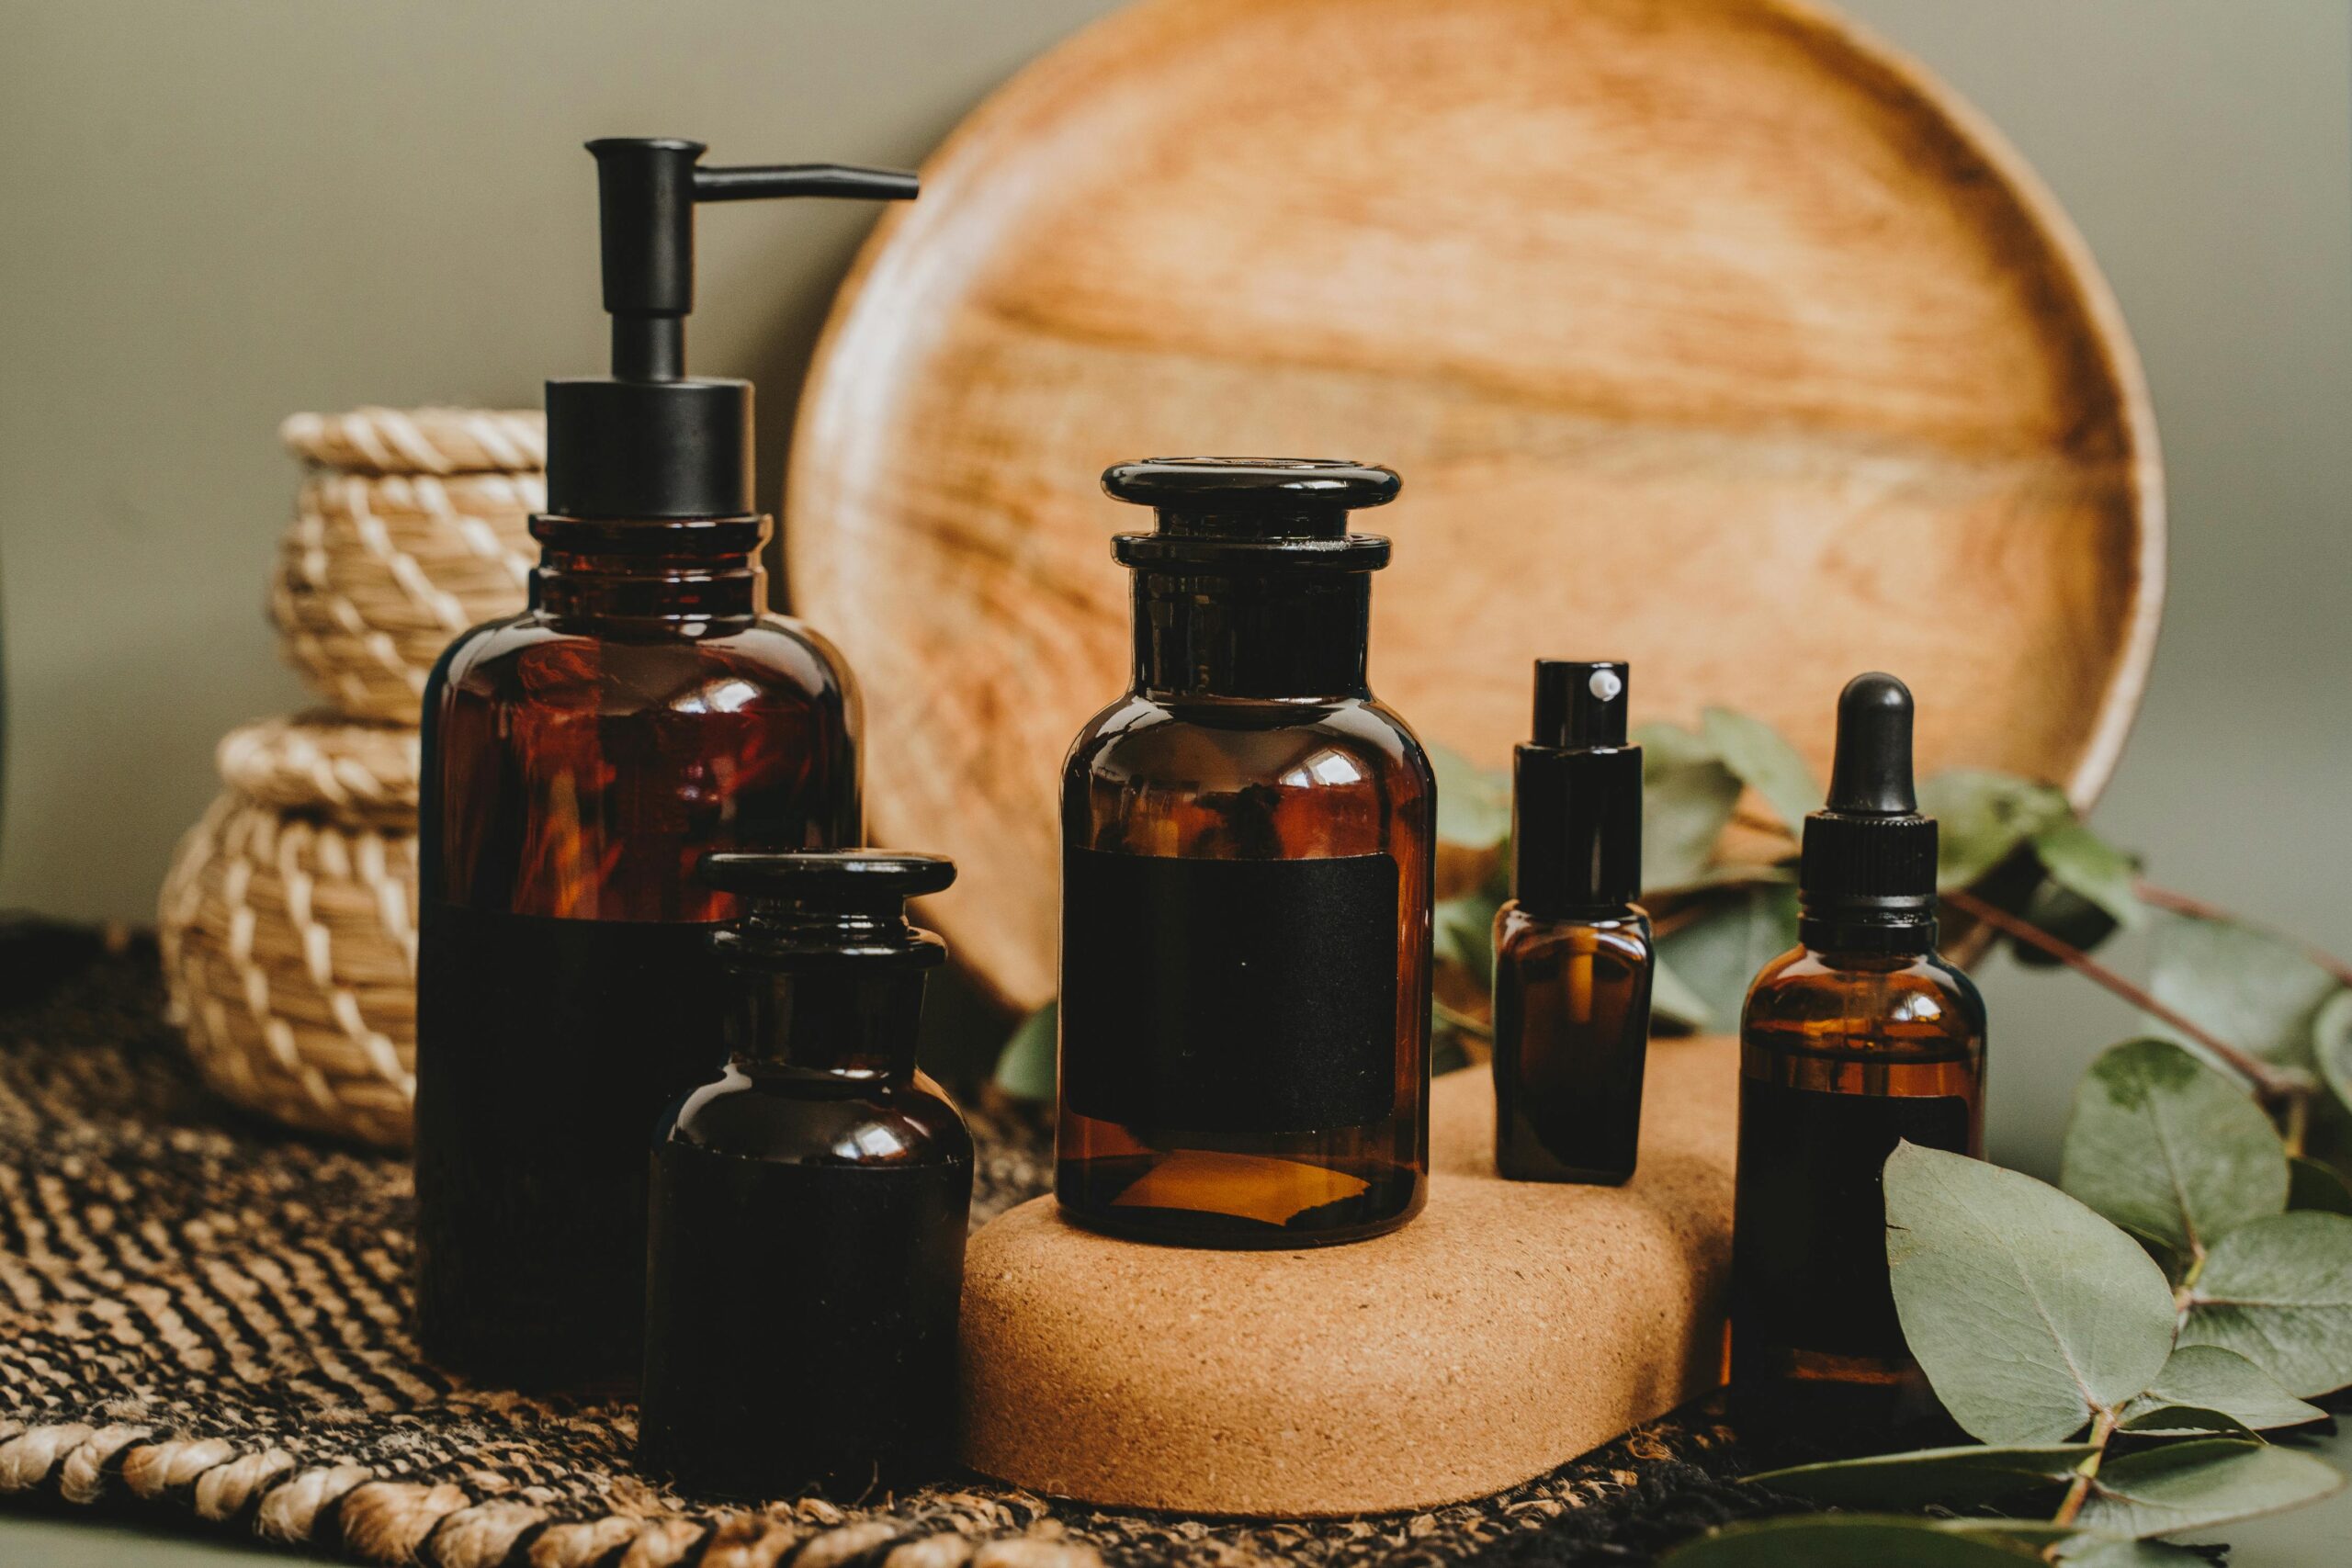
[(1573, 957), (1857, 1039), (1246, 882), (810, 1203)]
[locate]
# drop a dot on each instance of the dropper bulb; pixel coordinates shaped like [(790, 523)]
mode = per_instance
[(1871, 776)]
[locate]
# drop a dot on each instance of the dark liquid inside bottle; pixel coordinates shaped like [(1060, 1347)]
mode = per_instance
[(802, 1330), (1246, 914), (579, 759), (1572, 1007), (1843, 1054), (806, 1257)]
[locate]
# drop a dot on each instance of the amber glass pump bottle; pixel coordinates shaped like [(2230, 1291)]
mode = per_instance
[(810, 1203), (1246, 839), (579, 759), (1860, 1038), (1573, 956)]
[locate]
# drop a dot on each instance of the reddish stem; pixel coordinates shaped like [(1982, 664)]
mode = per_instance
[(2268, 1081)]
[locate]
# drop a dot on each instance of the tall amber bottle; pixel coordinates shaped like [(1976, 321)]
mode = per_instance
[(1247, 838), (1860, 1037), (579, 760)]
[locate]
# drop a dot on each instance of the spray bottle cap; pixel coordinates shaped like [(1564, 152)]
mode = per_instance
[(805, 906), (648, 442), (1869, 854), (1577, 793)]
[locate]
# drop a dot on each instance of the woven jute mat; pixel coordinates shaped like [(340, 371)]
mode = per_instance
[(204, 1321)]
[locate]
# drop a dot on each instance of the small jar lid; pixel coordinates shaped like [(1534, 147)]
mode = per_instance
[(1253, 512)]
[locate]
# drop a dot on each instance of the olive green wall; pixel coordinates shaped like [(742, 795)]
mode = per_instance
[(212, 214)]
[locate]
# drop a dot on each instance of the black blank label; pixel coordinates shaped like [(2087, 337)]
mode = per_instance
[(1229, 996)]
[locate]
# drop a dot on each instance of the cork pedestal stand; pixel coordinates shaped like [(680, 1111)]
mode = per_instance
[(1510, 1328)]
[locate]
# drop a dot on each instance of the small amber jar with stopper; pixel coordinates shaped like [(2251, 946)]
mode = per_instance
[(1860, 1038), (805, 1260), (1247, 861)]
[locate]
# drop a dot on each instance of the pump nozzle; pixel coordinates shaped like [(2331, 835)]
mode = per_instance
[(646, 442), (1580, 702), (1873, 771), (648, 186)]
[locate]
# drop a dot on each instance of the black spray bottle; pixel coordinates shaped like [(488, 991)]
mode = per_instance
[(806, 1257), (579, 759), (1857, 1039), (1573, 958)]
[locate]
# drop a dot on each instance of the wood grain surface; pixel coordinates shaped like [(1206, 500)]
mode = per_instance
[(1706, 333)]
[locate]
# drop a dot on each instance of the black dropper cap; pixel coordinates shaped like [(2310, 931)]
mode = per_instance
[(1870, 857), (823, 906), (647, 441), (1252, 513), (1577, 794)]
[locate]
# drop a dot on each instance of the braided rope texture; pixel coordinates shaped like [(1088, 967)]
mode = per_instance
[(288, 924), (204, 1320), (410, 527)]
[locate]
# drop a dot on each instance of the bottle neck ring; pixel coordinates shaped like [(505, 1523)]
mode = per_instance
[(840, 1018), (1274, 634), (673, 575)]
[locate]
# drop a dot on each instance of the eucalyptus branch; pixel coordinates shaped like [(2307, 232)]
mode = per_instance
[(2272, 1085), (2078, 1489), (2182, 903), (1461, 1021)]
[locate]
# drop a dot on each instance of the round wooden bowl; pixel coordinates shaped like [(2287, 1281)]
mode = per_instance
[(1711, 335)]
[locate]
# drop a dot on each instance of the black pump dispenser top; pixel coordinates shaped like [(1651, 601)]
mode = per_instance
[(649, 442), (1577, 794), (1869, 856)]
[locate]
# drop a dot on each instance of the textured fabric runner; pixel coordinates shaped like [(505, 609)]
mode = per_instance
[(204, 1320)]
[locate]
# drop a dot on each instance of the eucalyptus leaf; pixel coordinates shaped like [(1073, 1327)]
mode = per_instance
[(2088, 865), (2180, 1420), (1687, 797), (1958, 1477), (2208, 1378), (2258, 991), (1473, 803), (1025, 1069), (1672, 998), (2025, 1309), (1764, 760), (2279, 1292), (1716, 956), (2067, 915), (1463, 931), (2163, 1145), (1982, 817), (2209, 1480), (2311, 1185), (2332, 1046), (2113, 1551), (1850, 1540)]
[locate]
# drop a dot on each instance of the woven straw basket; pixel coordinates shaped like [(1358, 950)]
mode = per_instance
[(412, 526), (289, 927), (289, 920)]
